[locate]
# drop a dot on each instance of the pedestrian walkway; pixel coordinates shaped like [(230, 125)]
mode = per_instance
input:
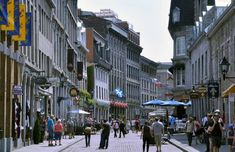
[(180, 140), (43, 147)]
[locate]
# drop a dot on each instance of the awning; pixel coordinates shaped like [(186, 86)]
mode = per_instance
[(119, 104), (102, 103), (229, 90)]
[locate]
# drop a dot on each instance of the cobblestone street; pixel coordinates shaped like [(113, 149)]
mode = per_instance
[(131, 143)]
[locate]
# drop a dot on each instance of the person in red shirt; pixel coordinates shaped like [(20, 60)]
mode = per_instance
[(58, 131)]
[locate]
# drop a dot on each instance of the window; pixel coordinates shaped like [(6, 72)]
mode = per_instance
[(176, 15), (180, 46), (180, 77)]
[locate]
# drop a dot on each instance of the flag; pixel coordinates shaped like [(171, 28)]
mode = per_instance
[(10, 17), (3, 12), (16, 31), (28, 40), (22, 34)]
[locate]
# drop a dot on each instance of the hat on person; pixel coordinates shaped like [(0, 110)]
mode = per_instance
[(217, 111), (209, 114), (59, 120)]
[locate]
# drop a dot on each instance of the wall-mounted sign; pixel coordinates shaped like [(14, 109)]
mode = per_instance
[(17, 90), (73, 92), (119, 93)]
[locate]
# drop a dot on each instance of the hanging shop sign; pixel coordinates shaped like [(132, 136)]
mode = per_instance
[(213, 90), (73, 92)]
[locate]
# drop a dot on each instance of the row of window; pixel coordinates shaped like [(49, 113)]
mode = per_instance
[(117, 61), (148, 69), (101, 93), (133, 91), (101, 75), (116, 43), (132, 55), (45, 23), (149, 86), (117, 82), (132, 72)]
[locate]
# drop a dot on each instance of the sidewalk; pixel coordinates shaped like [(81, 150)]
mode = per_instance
[(180, 141), (43, 147)]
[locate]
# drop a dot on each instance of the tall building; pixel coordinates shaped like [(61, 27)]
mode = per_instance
[(116, 41), (44, 71), (181, 23), (133, 70), (149, 89), (98, 73)]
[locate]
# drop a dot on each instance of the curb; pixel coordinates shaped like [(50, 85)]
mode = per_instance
[(62, 149), (181, 148)]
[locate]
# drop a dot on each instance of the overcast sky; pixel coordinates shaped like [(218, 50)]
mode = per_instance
[(149, 17)]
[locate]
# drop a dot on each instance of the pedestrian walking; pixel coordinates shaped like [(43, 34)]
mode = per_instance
[(122, 129), (158, 130), (137, 123), (58, 131), (146, 135), (230, 138), (87, 133), (105, 135), (115, 128), (70, 128), (216, 129), (189, 130), (207, 133), (197, 127), (50, 130)]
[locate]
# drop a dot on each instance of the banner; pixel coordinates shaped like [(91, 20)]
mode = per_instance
[(22, 34), (3, 12), (28, 40), (10, 18), (16, 31)]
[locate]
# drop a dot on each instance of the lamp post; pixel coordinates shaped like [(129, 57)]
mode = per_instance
[(224, 67), (63, 79)]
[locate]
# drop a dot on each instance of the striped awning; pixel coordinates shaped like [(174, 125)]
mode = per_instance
[(230, 89)]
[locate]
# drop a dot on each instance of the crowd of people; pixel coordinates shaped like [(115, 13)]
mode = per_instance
[(211, 129)]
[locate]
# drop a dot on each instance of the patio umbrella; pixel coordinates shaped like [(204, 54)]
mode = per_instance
[(189, 103), (172, 103), (79, 111), (155, 102)]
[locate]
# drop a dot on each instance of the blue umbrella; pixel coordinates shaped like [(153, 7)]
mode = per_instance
[(155, 102), (172, 103), (189, 103)]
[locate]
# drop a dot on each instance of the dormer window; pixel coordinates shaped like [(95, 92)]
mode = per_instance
[(176, 15)]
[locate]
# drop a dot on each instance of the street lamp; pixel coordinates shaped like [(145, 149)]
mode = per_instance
[(224, 67), (63, 79)]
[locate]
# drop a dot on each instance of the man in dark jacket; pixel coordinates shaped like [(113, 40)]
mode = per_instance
[(105, 135), (122, 129)]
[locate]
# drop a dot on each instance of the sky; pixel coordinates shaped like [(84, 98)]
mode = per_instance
[(149, 17)]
